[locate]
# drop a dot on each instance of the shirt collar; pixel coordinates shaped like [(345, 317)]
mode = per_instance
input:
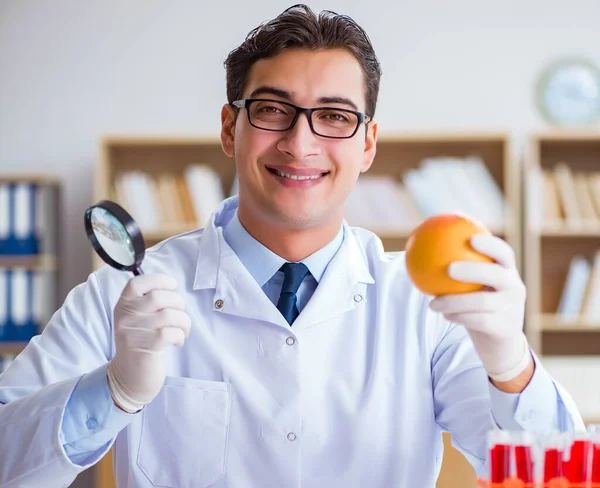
[(262, 263)]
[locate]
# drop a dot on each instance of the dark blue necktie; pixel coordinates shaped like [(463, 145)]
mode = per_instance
[(293, 274)]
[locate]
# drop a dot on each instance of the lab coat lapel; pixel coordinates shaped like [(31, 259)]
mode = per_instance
[(343, 286), (236, 292)]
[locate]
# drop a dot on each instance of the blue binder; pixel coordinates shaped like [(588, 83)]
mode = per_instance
[(20, 331), (16, 243), (4, 306)]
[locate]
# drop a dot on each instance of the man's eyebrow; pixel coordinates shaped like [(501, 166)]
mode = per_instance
[(340, 100), (286, 95), (271, 90)]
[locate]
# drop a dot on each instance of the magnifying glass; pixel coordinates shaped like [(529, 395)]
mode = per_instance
[(115, 236)]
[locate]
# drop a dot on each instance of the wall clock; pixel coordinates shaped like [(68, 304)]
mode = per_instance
[(568, 93)]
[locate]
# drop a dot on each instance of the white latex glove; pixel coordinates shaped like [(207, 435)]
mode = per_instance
[(149, 317), (493, 317)]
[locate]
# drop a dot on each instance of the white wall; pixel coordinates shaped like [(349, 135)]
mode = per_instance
[(72, 70)]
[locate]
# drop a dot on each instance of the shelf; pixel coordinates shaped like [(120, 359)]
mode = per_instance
[(11, 348), (568, 338), (405, 234), (396, 241), (37, 262), (566, 135), (562, 230), (443, 137), (555, 323), (28, 178), (169, 140)]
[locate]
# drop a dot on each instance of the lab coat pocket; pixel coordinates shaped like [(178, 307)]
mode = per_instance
[(184, 434)]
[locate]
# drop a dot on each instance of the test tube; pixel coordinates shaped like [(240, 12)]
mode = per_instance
[(577, 465), (554, 452), (511, 457), (499, 448), (524, 456), (594, 433)]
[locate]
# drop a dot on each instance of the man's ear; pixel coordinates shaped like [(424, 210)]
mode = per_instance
[(370, 146), (228, 130)]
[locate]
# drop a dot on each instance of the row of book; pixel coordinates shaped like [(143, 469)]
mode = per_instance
[(27, 301), (563, 196), (169, 199), (28, 216), (580, 298), (383, 203)]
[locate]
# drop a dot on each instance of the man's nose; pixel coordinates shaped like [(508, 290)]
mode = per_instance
[(300, 141)]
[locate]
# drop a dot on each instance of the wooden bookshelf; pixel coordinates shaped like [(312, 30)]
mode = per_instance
[(549, 247), (156, 155), (395, 154), (40, 262)]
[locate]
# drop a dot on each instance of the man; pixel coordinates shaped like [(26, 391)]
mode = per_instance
[(306, 357)]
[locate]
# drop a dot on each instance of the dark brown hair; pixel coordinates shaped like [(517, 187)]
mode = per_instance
[(299, 27)]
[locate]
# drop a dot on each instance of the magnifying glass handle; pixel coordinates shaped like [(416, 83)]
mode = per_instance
[(137, 271)]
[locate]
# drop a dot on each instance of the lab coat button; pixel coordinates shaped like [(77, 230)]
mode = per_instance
[(290, 341), (219, 304), (91, 423), (358, 298), (291, 437)]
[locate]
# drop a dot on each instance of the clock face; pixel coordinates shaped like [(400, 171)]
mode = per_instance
[(569, 93)]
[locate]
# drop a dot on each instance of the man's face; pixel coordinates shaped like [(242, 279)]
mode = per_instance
[(329, 78)]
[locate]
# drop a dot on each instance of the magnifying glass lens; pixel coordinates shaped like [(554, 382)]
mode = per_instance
[(115, 236), (112, 236)]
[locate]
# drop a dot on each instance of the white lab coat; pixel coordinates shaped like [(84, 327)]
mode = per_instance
[(355, 394)]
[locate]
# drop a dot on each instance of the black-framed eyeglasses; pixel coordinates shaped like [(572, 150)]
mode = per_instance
[(277, 116)]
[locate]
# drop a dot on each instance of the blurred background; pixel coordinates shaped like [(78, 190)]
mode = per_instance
[(485, 107)]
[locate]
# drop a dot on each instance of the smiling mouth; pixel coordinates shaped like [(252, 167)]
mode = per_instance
[(297, 177)]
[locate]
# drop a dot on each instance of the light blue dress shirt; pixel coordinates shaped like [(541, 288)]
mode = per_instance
[(91, 419)]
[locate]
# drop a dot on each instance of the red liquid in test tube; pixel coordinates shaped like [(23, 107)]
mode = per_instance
[(555, 446), (596, 463), (594, 437), (511, 457), (552, 464), (524, 463), (499, 463), (579, 461)]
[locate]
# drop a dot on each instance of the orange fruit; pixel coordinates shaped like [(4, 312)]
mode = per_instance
[(437, 242)]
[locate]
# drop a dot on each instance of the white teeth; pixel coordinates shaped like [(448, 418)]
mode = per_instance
[(297, 177)]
